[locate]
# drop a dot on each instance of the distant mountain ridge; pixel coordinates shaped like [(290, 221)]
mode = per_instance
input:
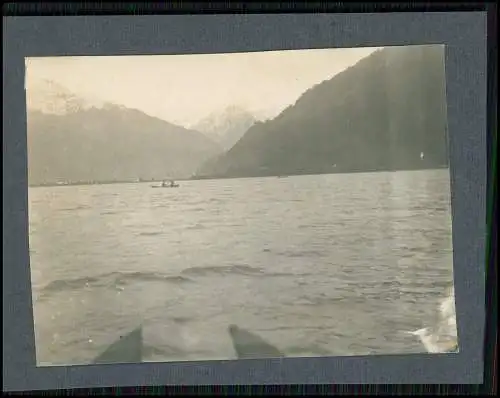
[(226, 127), (50, 97), (379, 114), (73, 139)]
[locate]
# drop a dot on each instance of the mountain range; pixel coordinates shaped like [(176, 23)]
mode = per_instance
[(386, 112), (73, 139), (226, 127)]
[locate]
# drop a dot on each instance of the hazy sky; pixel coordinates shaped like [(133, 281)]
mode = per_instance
[(185, 88)]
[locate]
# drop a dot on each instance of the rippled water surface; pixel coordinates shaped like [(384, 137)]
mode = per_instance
[(317, 265)]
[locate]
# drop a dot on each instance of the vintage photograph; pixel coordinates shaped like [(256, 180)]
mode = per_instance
[(240, 205)]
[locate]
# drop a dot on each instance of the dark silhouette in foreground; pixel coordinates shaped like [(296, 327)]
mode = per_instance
[(248, 345), (127, 349)]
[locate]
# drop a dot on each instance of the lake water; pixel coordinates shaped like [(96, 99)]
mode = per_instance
[(318, 265)]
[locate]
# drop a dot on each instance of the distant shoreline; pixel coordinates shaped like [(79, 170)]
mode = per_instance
[(53, 184), (199, 178), (316, 173)]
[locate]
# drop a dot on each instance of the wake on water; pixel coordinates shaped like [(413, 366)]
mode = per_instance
[(439, 338), (442, 336)]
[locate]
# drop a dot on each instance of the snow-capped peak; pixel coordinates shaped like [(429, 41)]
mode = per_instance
[(51, 97), (226, 127), (219, 122)]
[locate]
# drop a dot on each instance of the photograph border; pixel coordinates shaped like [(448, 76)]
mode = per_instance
[(464, 37)]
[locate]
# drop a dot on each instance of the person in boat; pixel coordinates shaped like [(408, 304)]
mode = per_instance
[(170, 184)]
